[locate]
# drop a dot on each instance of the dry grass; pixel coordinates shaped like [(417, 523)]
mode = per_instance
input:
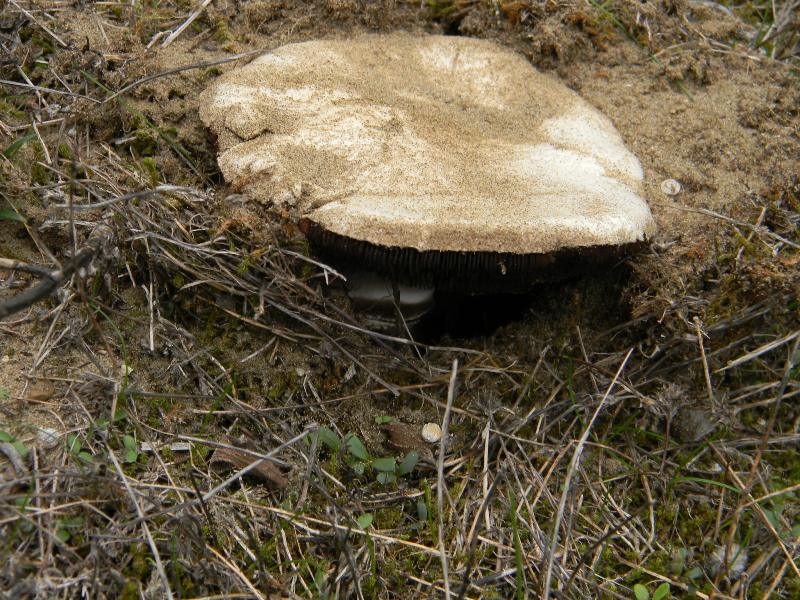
[(596, 462)]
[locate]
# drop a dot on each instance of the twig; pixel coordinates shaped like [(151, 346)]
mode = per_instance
[(148, 535), (168, 72), (195, 13), (759, 351), (440, 487), (15, 265), (38, 88), (42, 25), (716, 215), (706, 371), (48, 285), (573, 465), (473, 535), (161, 189)]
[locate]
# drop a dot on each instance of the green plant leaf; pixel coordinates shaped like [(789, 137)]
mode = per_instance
[(677, 561), (383, 419), (708, 482), (662, 591), (17, 144), (640, 592), (73, 444), (385, 465), (695, 573), (328, 438), (364, 520), (129, 442), (386, 478), (356, 447), (358, 466), (20, 448), (62, 535), (131, 456), (11, 215), (5, 436), (409, 462), (422, 510), (319, 583)]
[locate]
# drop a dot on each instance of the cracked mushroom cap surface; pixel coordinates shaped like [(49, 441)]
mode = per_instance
[(427, 146)]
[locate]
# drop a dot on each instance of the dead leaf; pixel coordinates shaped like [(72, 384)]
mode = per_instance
[(229, 459), (407, 437), (41, 391)]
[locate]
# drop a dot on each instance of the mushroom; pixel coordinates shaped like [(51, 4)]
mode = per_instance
[(436, 162)]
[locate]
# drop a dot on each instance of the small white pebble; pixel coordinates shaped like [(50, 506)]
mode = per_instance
[(47, 437), (671, 187), (431, 433)]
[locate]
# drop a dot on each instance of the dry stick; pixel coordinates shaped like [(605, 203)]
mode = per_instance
[(48, 285), (195, 13), (473, 535), (150, 540), (176, 70), (42, 25), (573, 465), (600, 541), (791, 362), (214, 491), (242, 577), (161, 189), (47, 90), (15, 265), (716, 215), (316, 328), (753, 570), (451, 392), (759, 351), (745, 493), (775, 581), (706, 371)]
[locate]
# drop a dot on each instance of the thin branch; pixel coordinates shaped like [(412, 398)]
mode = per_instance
[(440, 487), (573, 465)]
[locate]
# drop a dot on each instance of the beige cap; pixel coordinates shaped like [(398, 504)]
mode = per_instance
[(430, 143)]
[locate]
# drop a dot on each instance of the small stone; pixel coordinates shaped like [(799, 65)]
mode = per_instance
[(47, 437), (431, 433), (671, 187)]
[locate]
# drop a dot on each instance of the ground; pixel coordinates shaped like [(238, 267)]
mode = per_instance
[(630, 434)]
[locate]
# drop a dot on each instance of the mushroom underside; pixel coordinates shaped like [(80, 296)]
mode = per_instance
[(463, 272)]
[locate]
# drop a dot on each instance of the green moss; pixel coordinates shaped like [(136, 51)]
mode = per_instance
[(145, 141), (130, 591), (151, 169), (283, 382), (222, 32), (389, 517), (10, 109)]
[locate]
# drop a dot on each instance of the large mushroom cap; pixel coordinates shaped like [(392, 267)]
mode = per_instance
[(428, 147)]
